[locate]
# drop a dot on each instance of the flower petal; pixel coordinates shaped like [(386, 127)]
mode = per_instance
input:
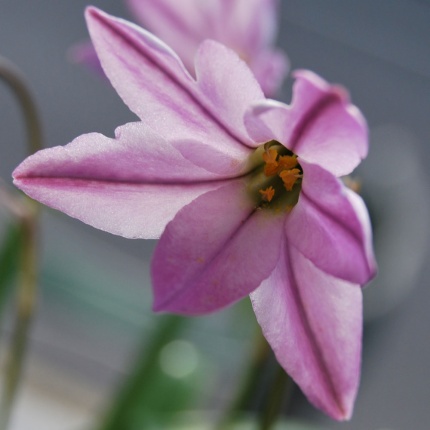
[(265, 121), (220, 161), (153, 82), (320, 125), (270, 69), (227, 82), (131, 186), (180, 24), (331, 227), (313, 322), (215, 251), (246, 26)]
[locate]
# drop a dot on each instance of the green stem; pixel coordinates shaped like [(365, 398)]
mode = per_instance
[(259, 358), (9, 260), (275, 399), (10, 74), (120, 415), (26, 298), (27, 283)]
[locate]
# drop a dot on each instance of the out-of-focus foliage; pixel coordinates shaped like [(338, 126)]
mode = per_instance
[(164, 381), (10, 249), (246, 423)]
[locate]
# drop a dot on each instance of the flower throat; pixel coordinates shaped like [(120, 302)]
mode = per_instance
[(276, 180)]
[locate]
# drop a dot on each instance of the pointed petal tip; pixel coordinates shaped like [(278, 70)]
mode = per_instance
[(336, 89), (343, 413), (338, 408), (372, 274), (368, 273), (15, 174), (308, 75), (343, 95), (346, 416), (341, 410), (92, 12), (16, 181), (92, 15), (20, 172)]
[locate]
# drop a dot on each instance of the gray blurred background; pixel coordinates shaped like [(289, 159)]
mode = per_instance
[(86, 330)]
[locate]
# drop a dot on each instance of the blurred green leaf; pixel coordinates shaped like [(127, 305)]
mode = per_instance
[(249, 422), (10, 252), (156, 389)]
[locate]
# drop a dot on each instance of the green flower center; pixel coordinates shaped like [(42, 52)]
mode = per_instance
[(276, 180)]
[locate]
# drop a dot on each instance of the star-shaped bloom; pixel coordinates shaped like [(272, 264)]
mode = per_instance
[(242, 191), (247, 26)]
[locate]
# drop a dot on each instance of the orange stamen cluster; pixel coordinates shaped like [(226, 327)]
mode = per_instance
[(285, 166)]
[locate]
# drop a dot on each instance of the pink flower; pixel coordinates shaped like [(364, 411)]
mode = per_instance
[(243, 191), (247, 26)]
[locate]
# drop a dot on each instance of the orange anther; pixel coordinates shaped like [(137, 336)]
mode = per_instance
[(271, 166), (287, 161), (267, 194), (270, 155), (289, 177)]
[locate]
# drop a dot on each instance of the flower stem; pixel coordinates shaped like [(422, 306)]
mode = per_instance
[(26, 212), (275, 399), (128, 403), (26, 298), (10, 74), (278, 392), (260, 356)]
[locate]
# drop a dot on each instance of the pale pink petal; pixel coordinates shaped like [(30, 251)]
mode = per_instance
[(153, 82), (249, 28), (362, 214), (243, 25), (180, 24), (270, 69), (228, 84), (331, 228), (320, 125), (222, 163), (265, 121), (131, 186), (216, 250), (246, 26), (313, 322)]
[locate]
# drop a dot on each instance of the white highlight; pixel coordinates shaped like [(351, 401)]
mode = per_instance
[(179, 358)]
